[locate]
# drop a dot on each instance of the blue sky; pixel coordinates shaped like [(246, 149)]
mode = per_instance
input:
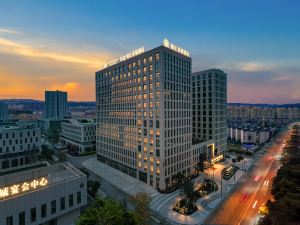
[(60, 44)]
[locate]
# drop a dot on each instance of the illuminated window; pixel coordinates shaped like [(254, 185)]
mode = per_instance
[(157, 171), (151, 168), (157, 57), (157, 162)]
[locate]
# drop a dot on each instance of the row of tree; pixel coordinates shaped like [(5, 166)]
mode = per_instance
[(285, 209)]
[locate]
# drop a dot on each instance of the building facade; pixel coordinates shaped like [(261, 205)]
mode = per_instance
[(144, 115), (51, 195), (56, 104), (209, 98), (78, 133), (19, 145), (3, 111)]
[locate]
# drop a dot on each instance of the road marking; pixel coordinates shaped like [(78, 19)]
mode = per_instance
[(254, 204), (168, 199), (156, 220)]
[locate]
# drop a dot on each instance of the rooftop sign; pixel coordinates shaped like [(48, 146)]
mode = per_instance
[(175, 48), (125, 57), (21, 188)]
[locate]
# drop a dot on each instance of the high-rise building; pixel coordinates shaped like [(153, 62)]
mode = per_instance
[(56, 104), (209, 90), (3, 111), (144, 114)]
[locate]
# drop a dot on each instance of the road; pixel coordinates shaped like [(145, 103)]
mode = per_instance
[(241, 207)]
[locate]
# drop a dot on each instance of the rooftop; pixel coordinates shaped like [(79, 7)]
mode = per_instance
[(38, 178)]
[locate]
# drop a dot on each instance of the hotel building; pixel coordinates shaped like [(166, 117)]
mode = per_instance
[(56, 104), (51, 195), (144, 115), (209, 96)]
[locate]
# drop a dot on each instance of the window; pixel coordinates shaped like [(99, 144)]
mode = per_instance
[(62, 203), (43, 210), (9, 220), (78, 197), (32, 214), (71, 200), (22, 218), (53, 207)]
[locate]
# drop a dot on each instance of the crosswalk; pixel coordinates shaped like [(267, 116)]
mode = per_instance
[(244, 179), (159, 200)]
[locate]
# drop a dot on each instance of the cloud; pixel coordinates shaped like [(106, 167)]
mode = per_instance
[(248, 66), (12, 47), (9, 31)]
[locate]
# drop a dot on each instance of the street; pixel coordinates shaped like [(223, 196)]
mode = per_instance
[(241, 207)]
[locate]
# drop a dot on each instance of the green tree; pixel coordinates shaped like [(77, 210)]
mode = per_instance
[(141, 202), (106, 212), (188, 188), (200, 164), (93, 187)]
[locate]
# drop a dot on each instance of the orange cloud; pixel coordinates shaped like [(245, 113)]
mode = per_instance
[(13, 47)]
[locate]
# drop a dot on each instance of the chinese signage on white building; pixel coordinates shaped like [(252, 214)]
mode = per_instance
[(20, 188)]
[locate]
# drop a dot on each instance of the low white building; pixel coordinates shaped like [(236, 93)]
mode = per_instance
[(51, 195), (79, 133), (19, 145), (249, 135)]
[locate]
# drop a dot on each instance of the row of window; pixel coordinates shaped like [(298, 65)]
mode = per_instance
[(33, 215)]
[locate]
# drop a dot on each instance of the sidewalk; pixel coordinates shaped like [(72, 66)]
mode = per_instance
[(124, 182)]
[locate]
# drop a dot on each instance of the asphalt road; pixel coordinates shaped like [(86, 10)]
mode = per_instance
[(241, 207)]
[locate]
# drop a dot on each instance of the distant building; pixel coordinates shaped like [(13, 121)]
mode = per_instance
[(51, 195), (209, 112), (265, 114), (56, 104), (78, 133), (19, 145), (249, 135), (3, 111)]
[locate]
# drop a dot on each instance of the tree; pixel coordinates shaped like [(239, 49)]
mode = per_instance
[(141, 201), (106, 212), (188, 188), (200, 164), (93, 187), (179, 177)]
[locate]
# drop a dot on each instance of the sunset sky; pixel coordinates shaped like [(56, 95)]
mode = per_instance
[(51, 44)]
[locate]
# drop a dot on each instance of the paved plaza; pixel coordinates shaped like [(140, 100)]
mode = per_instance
[(163, 203)]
